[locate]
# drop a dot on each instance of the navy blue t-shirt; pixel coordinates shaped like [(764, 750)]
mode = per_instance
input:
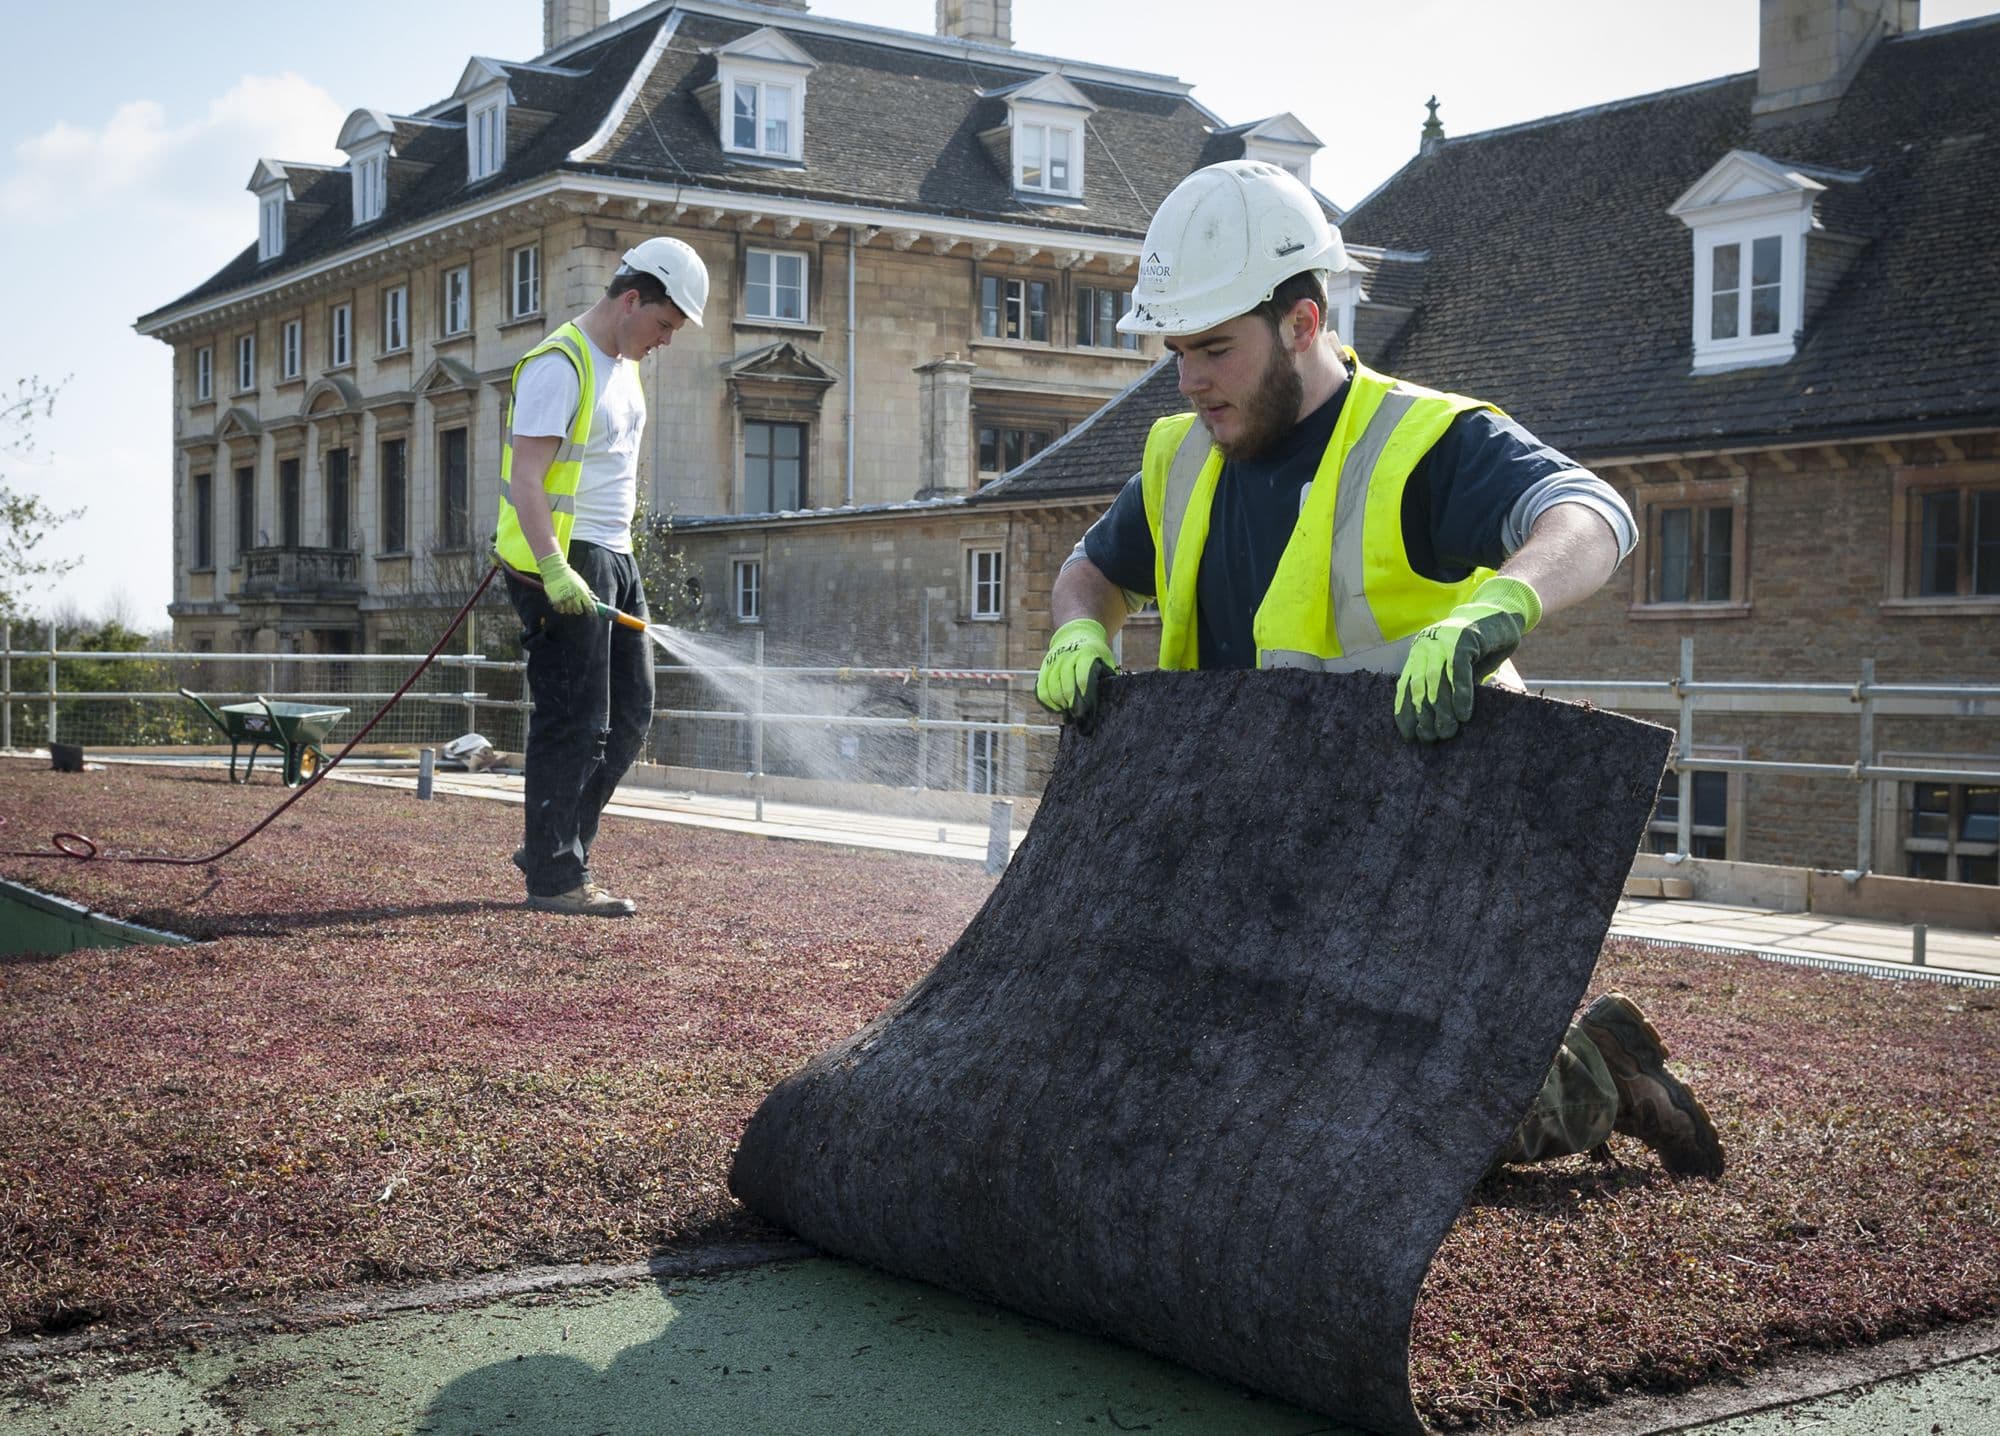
[(1455, 507)]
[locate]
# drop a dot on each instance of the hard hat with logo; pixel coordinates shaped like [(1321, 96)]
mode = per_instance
[(676, 266), (1222, 242)]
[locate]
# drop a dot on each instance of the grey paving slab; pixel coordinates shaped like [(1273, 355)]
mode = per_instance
[(1723, 933), (1959, 1400), (799, 822), (1789, 924), (1811, 935), (819, 1346), (1841, 945)]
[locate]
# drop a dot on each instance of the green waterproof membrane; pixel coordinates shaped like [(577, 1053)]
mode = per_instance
[(1262, 994)]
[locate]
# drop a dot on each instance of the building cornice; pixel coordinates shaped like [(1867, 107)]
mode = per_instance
[(1863, 436), (589, 194)]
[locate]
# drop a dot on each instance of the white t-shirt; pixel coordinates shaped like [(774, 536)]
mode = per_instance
[(545, 406)]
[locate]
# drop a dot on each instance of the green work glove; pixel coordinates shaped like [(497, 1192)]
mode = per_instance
[(1078, 653), (567, 591), (1454, 655)]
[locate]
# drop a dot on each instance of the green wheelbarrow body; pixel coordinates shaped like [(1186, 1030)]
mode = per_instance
[(294, 731)]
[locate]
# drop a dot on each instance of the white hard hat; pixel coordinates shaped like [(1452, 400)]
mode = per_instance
[(676, 266), (1222, 242)]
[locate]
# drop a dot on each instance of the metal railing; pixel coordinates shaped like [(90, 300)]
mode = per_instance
[(464, 693), (62, 694), (1864, 699), (143, 706)]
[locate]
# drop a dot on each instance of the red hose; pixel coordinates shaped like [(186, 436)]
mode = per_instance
[(77, 846)]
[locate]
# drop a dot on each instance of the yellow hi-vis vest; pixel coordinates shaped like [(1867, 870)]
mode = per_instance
[(565, 470), (1344, 596)]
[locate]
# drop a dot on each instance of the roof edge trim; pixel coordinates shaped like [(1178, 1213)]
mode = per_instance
[(635, 84), (806, 23)]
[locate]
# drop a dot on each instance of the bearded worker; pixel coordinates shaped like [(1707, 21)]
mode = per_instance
[(1311, 513)]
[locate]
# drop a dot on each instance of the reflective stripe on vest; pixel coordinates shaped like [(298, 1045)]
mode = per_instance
[(559, 485), (1344, 596)]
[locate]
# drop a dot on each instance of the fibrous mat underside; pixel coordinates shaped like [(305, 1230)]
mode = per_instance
[(1262, 994)]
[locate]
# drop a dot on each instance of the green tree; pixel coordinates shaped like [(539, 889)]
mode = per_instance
[(133, 721), (672, 583), (26, 520)]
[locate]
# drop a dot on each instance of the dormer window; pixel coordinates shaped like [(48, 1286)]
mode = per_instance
[(367, 138), (486, 138), (1745, 287), (1344, 294), (1282, 141), (371, 187), (1043, 157), (483, 88), (1041, 145), (270, 226), (760, 118), (760, 96), (1750, 218), (272, 186)]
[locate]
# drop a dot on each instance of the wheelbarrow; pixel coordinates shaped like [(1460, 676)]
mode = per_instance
[(294, 731)]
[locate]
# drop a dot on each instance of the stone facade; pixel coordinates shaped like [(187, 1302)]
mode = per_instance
[(897, 319), (896, 590), (915, 306), (1821, 582)]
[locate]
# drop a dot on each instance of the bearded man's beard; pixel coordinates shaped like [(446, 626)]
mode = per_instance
[(1271, 411)]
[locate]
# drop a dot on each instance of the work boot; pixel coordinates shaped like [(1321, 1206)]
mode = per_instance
[(1653, 1105), (584, 900)]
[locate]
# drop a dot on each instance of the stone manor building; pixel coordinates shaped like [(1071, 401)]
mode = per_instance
[(919, 246)]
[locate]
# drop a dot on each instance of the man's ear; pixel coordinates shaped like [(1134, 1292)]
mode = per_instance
[(1305, 321)]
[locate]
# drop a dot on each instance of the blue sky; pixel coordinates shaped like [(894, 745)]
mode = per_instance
[(126, 141)]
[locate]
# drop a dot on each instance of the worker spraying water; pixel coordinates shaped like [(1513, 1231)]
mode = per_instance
[(568, 491), (574, 428)]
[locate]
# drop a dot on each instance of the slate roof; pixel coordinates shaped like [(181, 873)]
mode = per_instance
[(577, 102), (900, 128), (886, 125), (1098, 455), (1558, 286), (1553, 282)]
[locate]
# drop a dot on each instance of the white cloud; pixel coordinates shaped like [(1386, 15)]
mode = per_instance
[(114, 219), (293, 117), (137, 154)]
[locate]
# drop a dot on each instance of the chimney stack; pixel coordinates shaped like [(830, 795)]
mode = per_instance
[(984, 22), (1808, 51), (565, 20)]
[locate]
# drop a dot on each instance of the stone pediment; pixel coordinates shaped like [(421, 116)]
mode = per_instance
[(1745, 180), (364, 127), (781, 363), (238, 423), (766, 47), (1046, 89), (447, 376), (268, 175), (1284, 129), (329, 394), (480, 73)]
